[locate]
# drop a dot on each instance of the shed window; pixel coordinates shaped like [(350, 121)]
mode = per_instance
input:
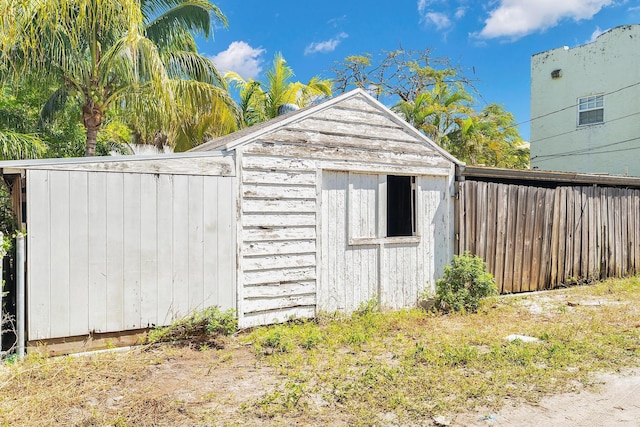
[(591, 110), (401, 206), (382, 208)]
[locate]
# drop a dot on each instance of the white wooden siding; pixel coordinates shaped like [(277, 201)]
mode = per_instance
[(278, 239), (112, 251), (310, 235), (350, 274), (393, 270), (363, 205)]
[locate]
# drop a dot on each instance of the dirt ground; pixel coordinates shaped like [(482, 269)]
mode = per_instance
[(615, 402), (181, 385), (614, 399)]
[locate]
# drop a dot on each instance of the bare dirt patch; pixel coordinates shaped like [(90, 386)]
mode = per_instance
[(612, 401)]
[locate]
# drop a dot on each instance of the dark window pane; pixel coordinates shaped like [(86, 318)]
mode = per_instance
[(400, 206), (591, 117)]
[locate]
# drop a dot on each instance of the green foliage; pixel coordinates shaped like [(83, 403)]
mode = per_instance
[(115, 58), (465, 282), (278, 340), (367, 308), (202, 327), (260, 101), (438, 100)]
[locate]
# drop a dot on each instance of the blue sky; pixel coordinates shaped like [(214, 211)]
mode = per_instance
[(492, 40)]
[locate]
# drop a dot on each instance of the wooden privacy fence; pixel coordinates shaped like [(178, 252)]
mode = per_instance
[(535, 238)]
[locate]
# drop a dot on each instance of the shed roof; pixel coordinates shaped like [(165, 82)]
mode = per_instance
[(247, 135), (36, 163)]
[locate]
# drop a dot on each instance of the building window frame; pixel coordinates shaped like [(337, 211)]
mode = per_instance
[(379, 211), (590, 110)]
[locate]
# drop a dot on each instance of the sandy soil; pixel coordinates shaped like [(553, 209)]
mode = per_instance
[(615, 402)]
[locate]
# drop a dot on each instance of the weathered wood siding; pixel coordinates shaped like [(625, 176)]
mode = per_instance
[(111, 251), (282, 220), (278, 239), (539, 238), (359, 263)]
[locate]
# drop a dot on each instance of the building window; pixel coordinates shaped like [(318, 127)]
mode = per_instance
[(382, 208), (591, 110), (401, 206)]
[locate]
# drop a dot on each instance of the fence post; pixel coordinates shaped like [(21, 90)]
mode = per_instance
[(20, 294)]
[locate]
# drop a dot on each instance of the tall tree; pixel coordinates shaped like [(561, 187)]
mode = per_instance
[(437, 99), (490, 137), (261, 101), (440, 110), (202, 105), (399, 74), (101, 55)]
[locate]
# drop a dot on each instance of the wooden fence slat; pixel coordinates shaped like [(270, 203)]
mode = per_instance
[(564, 237), (584, 242), (555, 236), (617, 232), (538, 230), (591, 229), (624, 236), (501, 227), (471, 219), (577, 232), (481, 221), (597, 210), (521, 223), (462, 213), (544, 282), (490, 254), (510, 243), (605, 259), (528, 238), (569, 245)]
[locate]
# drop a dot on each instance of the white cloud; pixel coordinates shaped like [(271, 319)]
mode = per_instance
[(422, 6), (440, 20), (334, 22), (595, 34), (440, 13), (517, 18), (325, 46), (241, 58)]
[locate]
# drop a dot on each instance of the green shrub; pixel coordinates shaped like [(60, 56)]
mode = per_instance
[(465, 282), (201, 328)]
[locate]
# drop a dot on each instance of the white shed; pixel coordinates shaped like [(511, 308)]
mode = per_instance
[(338, 204), (324, 208)]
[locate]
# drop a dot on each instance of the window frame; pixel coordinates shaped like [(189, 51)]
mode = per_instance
[(381, 213), (584, 106)]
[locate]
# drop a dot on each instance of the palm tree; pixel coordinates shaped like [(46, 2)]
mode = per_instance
[(202, 107), (261, 101), (491, 138), (112, 54), (439, 111)]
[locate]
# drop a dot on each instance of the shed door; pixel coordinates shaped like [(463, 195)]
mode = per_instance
[(374, 245), (350, 273)]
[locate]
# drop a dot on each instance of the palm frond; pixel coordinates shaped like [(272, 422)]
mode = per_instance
[(16, 146)]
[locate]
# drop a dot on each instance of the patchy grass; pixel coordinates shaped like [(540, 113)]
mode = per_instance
[(373, 367)]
